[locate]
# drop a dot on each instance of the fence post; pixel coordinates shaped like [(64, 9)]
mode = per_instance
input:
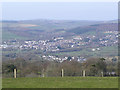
[(15, 76), (43, 75), (84, 73), (102, 74), (62, 73)]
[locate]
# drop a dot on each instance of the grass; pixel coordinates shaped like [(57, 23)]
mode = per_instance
[(105, 51), (6, 35), (58, 82)]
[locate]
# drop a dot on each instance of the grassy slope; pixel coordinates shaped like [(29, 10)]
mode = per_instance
[(6, 35), (40, 25), (111, 50), (58, 82)]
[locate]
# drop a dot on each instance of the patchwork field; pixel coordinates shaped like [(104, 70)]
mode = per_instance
[(58, 82), (105, 51)]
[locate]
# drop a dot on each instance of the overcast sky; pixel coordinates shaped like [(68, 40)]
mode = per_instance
[(60, 10)]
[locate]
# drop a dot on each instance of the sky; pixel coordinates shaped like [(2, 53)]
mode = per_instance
[(98, 11), (59, 1)]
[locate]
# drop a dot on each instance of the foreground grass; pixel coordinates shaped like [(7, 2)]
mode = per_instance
[(58, 82)]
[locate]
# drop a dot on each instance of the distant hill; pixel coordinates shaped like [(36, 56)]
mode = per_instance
[(32, 29), (48, 24), (111, 21), (95, 27)]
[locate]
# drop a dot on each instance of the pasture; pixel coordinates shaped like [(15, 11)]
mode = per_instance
[(59, 82)]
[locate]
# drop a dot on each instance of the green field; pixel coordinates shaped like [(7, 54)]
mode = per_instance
[(105, 51), (58, 82), (6, 35)]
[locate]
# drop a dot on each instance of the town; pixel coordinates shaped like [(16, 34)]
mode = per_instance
[(63, 44)]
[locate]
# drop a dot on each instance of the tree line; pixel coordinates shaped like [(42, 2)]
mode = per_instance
[(40, 68)]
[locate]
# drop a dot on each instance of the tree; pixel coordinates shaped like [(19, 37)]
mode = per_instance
[(69, 58), (95, 66), (10, 68)]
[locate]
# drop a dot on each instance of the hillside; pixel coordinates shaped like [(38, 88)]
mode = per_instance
[(33, 29), (96, 28)]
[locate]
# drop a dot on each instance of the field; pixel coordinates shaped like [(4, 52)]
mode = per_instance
[(58, 82), (6, 35), (104, 51)]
